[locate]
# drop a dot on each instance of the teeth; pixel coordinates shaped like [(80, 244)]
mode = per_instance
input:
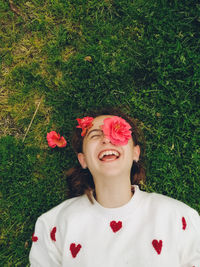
[(108, 152)]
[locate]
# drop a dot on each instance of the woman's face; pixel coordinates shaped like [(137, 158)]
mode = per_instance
[(103, 158)]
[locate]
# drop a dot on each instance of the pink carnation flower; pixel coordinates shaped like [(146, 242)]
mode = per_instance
[(117, 130), (54, 139), (85, 124)]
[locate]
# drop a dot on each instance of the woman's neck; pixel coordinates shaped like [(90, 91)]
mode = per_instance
[(114, 193)]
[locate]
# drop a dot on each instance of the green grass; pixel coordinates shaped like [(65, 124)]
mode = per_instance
[(144, 56)]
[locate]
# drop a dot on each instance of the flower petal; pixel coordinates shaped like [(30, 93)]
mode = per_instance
[(84, 123), (117, 130), (54, 140)]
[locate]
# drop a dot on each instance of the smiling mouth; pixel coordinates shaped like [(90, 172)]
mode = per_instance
[(109, 155)]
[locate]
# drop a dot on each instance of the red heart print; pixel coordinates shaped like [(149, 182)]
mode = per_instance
[(53, 234), (116, 226), (184, 223), (75, 249), (34, 238), (157, 245)]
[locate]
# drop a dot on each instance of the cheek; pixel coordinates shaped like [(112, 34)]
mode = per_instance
[(86, 147), (88, 150), (130, 153)]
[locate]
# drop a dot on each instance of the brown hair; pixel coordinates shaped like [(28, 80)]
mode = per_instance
[(80, 181)]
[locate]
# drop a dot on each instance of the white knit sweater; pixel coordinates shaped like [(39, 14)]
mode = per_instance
[(151, 230)]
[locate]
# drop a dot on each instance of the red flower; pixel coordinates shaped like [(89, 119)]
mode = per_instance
[(85, 124), (54, 139), (117, 130)]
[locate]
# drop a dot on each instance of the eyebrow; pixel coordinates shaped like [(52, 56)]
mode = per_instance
[(95, 130)]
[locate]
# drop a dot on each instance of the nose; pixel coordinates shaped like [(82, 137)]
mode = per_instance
[(105, 140)]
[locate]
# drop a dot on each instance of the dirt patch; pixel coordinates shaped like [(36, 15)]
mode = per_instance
[(8, 127)]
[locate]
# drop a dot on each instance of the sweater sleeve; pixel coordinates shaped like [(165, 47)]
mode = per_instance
[(190, 241), (44, 252)]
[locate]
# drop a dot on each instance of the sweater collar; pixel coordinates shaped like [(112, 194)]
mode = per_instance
[(124, 211)]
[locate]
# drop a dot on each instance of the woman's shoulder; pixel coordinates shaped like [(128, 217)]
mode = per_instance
[(167, 205), (67, 206)]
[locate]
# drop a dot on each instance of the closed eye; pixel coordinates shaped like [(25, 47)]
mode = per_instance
[(95, 135)]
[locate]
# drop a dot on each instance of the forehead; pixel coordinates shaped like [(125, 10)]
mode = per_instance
[(98, 121)]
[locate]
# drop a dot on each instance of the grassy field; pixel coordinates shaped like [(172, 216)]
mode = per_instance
[(65, 57)]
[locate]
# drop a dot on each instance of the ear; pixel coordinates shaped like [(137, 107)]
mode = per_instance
[(82, 161), (136, 153)]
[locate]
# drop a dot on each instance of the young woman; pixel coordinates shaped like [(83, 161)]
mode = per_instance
[(109, 221)]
